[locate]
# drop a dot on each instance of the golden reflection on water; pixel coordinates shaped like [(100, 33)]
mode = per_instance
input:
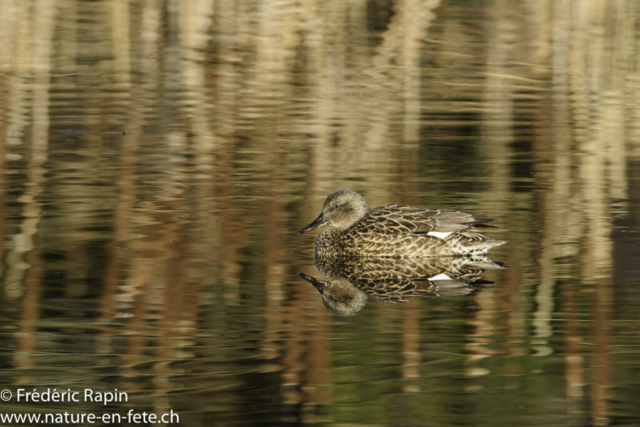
[(159, 156)]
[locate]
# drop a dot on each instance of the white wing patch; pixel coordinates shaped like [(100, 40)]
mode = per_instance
[(440, 276), (438, 234)]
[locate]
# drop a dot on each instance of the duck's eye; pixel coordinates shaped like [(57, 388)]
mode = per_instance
[(338, 206)]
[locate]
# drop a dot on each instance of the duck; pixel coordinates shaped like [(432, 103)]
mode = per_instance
[(395, 230), (348, 282)]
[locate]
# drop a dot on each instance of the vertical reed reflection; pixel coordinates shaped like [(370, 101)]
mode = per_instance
[(27, 244)]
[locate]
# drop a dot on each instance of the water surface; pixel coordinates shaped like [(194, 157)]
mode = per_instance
[(159, 158)]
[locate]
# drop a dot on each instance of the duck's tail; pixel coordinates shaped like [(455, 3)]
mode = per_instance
[(473, 243)]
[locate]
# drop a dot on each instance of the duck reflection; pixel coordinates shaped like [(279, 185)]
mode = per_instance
[(349, 281)]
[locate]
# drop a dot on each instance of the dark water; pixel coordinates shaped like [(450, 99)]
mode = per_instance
[(159, 158)]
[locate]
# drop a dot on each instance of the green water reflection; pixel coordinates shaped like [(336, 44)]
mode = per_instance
[(158, 157)]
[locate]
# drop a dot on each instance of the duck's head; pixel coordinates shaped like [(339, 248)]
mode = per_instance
[(341, 297), (341, 210)]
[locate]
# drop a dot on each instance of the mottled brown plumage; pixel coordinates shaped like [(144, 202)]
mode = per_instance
[(396, 231), (350, 280)]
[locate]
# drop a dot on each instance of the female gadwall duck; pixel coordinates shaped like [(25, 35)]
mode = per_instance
[(397, 231)]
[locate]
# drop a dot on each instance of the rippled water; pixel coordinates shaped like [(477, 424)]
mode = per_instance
[(160, 157)]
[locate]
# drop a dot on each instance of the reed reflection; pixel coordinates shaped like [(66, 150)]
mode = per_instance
[(349, 281)]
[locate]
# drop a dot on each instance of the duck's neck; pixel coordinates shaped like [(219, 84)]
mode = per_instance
[(328, 241)]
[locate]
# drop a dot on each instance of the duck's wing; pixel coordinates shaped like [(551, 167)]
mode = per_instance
[(402, 219)]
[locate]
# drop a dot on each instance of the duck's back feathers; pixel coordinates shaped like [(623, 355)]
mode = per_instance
[(403, 219)]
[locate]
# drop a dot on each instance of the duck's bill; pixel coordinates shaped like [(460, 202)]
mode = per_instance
[(318, 284), (318, 222)]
